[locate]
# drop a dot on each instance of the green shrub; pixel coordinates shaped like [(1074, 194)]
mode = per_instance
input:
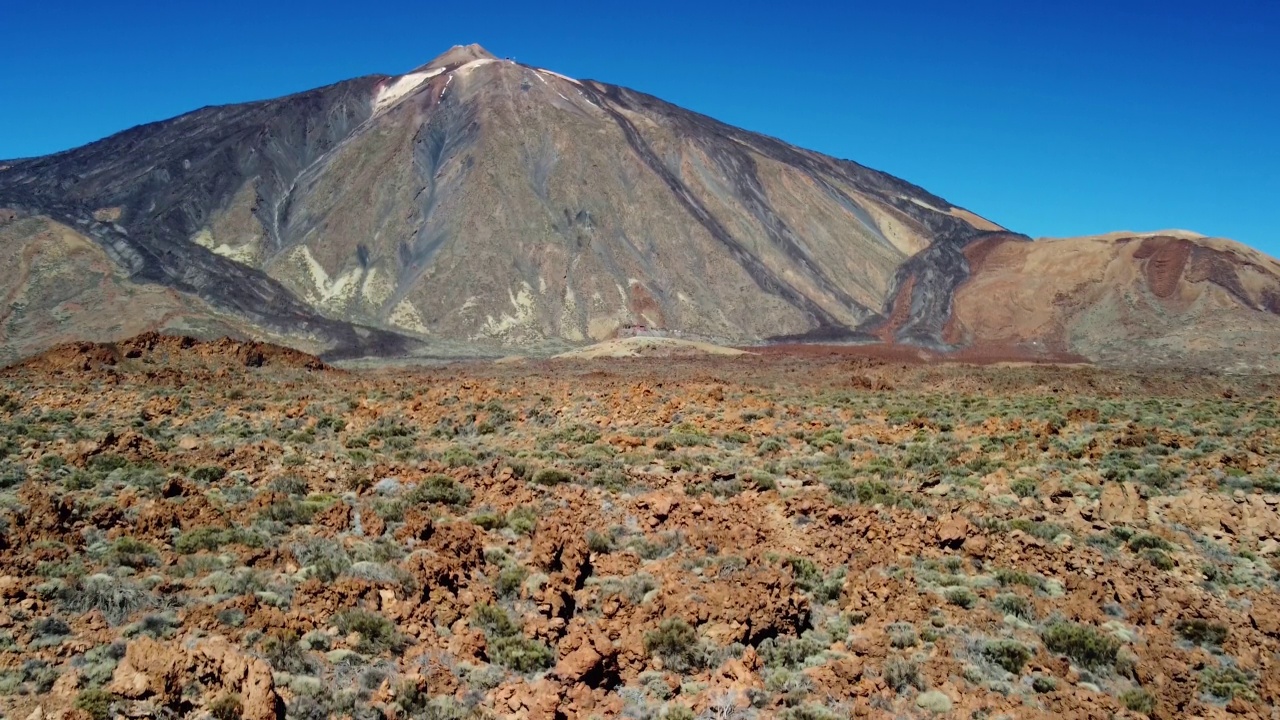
[(901, 673), (289, 485), (1042, 684), (551, 476), (1085, 645), (96, 702), (1226, 683), (158, 626), (49, 630), (208, 474), (376, 632), (661, 546), (226, 707), (509, 580), (632, 587), (1008, 576), (688, 437), (456, 457), (506, 645), (440, 489), (676, 642), (902, 635), (329, 422), (489, 520), (1015, 605), (1202, 632), (598, 542), (1008, 654), (522, 520), (99, 663), (1138, 700), (808, 711), (326, 559), (1147, 541), (790, 686), (107, 463), (790, 653), (116, 598), (283, 653), (79, 480), (389, 428), (805, 572), (960, 597), (32, 676), (289, 512), (573, 435), (827, 439), (715, 488), (677, 712), (1160, 560), (1161, 478), (493, 620), (210, 539), (131, 553), (869, 492), (1043, 530), (772, 445), (12, 475), (1025, 487), (521, 654), (52, 462)]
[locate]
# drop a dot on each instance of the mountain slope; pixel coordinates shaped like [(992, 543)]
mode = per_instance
[(1165, 298), (476, 202), (56, 286), (488, 201)]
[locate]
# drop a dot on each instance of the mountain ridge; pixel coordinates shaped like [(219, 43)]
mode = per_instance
[(478, 201)]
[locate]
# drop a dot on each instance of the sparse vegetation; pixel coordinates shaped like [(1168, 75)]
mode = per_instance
[(507, 646), (1202, 632), (1015, 605), (676, 642), (440, 489), (226, 707), (1138, 700), (1008, 654), (1085, 645), (116, 598), (398, 547), (377, 634), (901, 674), (551, 476), (95, 702), (1227, 682)]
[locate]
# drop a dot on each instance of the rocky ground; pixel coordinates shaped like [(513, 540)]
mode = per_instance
[(238, 531)]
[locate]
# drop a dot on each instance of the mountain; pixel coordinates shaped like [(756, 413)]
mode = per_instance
[(479, 204)]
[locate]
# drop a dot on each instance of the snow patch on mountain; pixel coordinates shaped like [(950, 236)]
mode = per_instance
[(401, 87)]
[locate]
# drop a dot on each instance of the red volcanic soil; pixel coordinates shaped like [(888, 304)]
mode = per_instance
[(87, 356), (1166, 259), (899, 312)]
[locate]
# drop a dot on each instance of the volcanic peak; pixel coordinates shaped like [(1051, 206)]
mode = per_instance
[(457, 55)]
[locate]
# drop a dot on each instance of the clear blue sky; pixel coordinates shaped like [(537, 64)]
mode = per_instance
[(1082, 118)]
